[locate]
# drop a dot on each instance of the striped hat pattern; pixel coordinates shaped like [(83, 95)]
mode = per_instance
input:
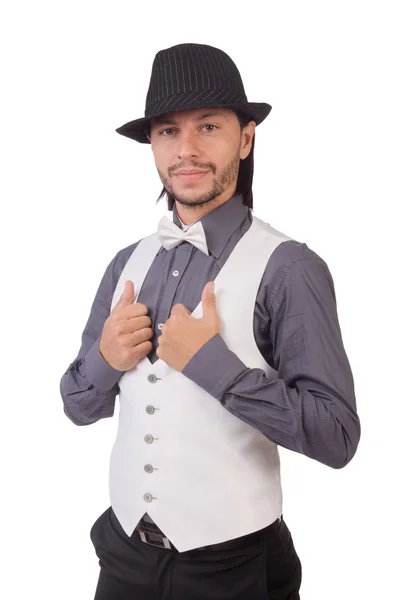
[(190, 76)]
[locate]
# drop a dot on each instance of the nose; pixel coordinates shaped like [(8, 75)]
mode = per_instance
[(188, 146)]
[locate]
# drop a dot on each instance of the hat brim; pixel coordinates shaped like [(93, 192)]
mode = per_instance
[(137, 129)]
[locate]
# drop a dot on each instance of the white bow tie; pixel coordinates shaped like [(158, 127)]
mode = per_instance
[(170, 235)]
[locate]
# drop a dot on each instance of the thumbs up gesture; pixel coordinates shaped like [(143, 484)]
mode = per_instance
[(126, 332), (182, 335)]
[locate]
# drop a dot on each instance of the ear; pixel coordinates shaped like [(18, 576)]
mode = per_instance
[(247, 136), (148, 131)]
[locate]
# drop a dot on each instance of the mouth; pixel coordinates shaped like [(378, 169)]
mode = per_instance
[(190, 175)]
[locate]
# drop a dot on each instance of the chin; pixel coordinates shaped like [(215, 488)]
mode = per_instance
[(195, 199), (191, 194)]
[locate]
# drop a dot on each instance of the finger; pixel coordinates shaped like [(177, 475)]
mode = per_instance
[(137, 309), (127, 296), (137, 337), (208, 299), (133, 324), (143, 349), (179, 309)]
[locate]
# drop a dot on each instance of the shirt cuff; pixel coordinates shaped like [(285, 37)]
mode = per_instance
[(98, 371), (214, 367)]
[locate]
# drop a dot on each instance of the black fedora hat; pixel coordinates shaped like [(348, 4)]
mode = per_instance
[(189, 76)]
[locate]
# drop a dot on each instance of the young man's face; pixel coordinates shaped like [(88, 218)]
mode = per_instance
[(208, 141)]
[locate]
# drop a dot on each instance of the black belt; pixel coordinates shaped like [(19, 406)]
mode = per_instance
[(151, 534)]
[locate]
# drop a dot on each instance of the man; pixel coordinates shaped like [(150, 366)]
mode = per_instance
[(220, 334)]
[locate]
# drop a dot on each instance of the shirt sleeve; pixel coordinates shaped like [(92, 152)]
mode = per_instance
[(310, 407), (89, 385)]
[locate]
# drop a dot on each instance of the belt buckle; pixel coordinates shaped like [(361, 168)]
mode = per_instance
[(144, 534)]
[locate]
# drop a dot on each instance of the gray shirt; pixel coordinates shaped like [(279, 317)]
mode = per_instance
[(310, 408)]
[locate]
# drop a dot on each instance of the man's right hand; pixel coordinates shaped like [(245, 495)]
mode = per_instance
[(126, 332)]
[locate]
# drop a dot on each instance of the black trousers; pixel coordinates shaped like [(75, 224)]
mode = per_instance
[(268, 569)]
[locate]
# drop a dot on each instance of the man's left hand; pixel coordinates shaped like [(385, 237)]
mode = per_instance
[(183, 335)]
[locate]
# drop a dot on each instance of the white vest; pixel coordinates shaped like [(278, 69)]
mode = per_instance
[(206, 476)]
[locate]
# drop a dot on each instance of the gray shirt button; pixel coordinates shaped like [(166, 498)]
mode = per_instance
[(150, 409), (160, 325), (175, 273), (148, 468), (152, 378), (148, 439), (147, 497)]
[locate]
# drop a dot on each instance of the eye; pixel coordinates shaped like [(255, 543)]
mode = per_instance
[(166, 132), (162, 132), (209, 125)]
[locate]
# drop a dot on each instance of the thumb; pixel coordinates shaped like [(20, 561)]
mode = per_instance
[(127, 297), (208, 300), (180, 309)]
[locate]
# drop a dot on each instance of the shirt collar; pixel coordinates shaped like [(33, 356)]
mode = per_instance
[(220, 223)]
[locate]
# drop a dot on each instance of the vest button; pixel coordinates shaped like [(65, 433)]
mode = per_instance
[(148, 439), (150, 409), (147, 497), (148, 468), (152, 378)]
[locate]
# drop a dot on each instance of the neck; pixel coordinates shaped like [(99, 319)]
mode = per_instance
[(192, 214)]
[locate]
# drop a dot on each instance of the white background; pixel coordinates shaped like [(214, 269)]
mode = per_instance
[(74, 192)]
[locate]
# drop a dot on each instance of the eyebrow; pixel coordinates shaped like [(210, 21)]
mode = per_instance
[(164, 120)]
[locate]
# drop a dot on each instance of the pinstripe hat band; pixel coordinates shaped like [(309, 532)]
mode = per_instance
[(189, 76)]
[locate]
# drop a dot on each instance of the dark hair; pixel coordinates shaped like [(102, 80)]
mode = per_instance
[(245, 172)]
